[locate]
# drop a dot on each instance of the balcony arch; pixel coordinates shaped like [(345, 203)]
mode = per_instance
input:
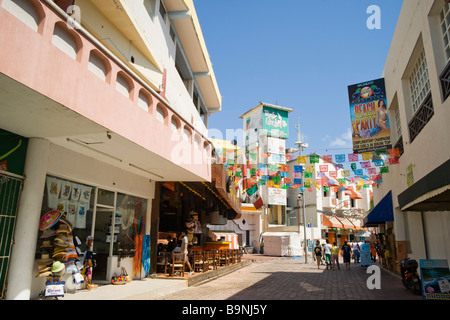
[(175, 123), (30, 12), (67, 40), (161, 113), (99, 65), (197, 141), (124, 84), (145, 100), (187, 134)]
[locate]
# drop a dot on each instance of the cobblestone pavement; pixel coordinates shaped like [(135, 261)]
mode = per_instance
[(292, 279)]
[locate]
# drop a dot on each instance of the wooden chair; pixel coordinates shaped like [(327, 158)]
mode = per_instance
[(197, 261), (205, 261), (178, 264), (163, 262), (212, 259), (238, 255), (224, 258)]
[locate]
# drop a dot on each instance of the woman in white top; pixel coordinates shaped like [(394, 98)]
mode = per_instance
[(382, 115)]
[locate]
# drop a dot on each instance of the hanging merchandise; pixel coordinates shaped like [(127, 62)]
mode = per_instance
[(49, 219), (138, 245), (146, 254), (89, 264), (58, 254)]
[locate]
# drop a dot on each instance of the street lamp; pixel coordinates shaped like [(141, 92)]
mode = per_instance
[(301, 146)]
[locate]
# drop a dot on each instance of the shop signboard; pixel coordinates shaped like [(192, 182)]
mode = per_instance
[(276, 146), (275, 122), (54, 289), (435, 276), (369, 116), (277, 196)]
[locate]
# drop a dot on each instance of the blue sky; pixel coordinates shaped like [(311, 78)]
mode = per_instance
[(298, 54)]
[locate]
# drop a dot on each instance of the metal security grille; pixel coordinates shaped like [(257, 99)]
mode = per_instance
[(10, 189)]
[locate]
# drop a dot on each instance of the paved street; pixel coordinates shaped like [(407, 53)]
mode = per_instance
[(292, 279)]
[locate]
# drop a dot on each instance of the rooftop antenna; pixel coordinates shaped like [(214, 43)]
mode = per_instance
[(299, 143)]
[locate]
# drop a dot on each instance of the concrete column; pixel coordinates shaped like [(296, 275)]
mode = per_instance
[(27, 224)]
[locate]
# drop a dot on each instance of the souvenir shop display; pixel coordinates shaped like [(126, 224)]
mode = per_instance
[(123, 278), (89, 264), (59, 253)]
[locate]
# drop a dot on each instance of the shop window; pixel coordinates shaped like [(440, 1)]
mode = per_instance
[(75, 200), (113, 218), (129, 218)]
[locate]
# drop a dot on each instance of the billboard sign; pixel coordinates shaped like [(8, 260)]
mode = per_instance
[(275, 122), (369, 116)]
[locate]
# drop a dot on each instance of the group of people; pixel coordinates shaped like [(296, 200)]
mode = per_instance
[(361, 252), (181, 245)]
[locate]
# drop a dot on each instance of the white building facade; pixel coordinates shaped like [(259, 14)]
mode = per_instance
[(416, 74)]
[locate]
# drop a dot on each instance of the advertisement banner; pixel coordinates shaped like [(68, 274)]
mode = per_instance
[(275, 122), (435, 276), (277, 196), (276, 146), (369, 116)]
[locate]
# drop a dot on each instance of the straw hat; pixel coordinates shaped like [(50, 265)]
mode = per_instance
[(63, 228), (59, 242), (49, 219), (46, 244), (48, 233), (58, 268), (45, 259), (65, 221), (43, 271), (59, 256)]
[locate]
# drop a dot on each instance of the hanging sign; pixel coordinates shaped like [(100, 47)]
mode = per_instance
[(369, 116)]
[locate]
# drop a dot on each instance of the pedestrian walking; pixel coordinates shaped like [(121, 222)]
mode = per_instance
[(365, 255), (327, 252), (335, 256), (346, 254), (373, 251), (318, 253), (356, 254)]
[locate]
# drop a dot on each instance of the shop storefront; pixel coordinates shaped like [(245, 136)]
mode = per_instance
[(193, 206), (93, 224)]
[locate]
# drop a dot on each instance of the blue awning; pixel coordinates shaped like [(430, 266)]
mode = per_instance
[(382, 212)]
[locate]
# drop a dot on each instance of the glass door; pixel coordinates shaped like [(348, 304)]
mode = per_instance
[(103, 232)]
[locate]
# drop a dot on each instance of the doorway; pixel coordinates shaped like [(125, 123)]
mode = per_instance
[(104, 232)]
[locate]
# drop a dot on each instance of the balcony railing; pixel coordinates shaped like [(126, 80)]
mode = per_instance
[(421, 117)]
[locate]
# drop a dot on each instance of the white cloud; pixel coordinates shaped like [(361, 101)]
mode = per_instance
[(344, 141)]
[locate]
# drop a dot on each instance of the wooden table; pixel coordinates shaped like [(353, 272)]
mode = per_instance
[(217, 245)]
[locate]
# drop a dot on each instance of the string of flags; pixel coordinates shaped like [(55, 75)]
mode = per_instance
[(364, 171)]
